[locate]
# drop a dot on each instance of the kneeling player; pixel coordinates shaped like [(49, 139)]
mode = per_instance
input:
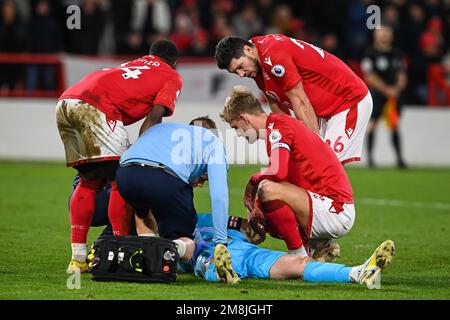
[(305, 185), (251, 261)]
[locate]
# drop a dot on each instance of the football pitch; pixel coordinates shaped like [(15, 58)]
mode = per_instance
[(411, 207)]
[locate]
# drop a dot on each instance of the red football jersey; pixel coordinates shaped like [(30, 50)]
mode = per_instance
[(329, 83), (313, 165), (128, 92)]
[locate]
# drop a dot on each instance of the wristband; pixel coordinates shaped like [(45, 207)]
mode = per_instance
[(234, 223)]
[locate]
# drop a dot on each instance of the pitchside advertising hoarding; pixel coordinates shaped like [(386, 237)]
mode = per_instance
[(29, 126), (202, 80)]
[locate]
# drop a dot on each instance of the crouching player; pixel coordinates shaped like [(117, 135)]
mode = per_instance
[(304, 189), (251, 261)]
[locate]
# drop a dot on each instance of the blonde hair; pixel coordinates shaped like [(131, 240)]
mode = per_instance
[(241, 100)]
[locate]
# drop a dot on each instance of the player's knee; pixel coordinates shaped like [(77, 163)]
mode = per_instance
[(301, 262), (265, 192)]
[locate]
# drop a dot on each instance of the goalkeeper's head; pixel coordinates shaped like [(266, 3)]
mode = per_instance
[(166, 50)]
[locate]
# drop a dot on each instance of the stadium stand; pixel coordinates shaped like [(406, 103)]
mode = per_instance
[(115, 27)]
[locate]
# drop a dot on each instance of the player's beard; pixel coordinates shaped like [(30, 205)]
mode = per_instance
[(255, 65)]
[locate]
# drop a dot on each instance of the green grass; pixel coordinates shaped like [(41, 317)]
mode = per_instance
[(35, 246)]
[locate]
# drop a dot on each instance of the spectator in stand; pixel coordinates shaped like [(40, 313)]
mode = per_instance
[(121, 16), (159, 17), (357, 33), (385, 73), (390, 17), (434, 26), (265, 11), (247, 23), (200, 45), (128, 19), (433, 7), (226, 7), (330, 43), (282, 21), (430, 53), (220, 29), (45, 38), (415, 26), (182, 35), (12, 39)]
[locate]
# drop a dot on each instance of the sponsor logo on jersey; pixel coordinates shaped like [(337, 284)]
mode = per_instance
[(278, 70), (268, 61), (349, 132), (111, 124), (333, 209)]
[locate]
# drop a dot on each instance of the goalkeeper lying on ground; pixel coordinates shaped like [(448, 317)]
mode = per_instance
[(250, 261)]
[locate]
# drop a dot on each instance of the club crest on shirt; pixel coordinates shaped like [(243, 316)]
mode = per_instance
[(111, 124), (278, 70), (274, 136)]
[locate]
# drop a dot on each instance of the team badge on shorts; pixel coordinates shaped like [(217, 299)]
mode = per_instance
[(274, 136), (278, 70)]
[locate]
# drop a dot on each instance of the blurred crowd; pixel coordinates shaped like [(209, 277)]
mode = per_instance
[(128, 27)]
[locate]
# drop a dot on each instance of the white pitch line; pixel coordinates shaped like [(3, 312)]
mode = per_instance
[(401, 203), (378, 202)]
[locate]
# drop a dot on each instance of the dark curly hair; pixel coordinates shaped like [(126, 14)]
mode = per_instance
[(229, 48), (165, 49)]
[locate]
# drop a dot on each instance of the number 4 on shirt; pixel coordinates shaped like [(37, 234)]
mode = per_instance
[(300, 44)]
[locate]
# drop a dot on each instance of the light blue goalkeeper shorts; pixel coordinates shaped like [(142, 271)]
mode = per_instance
[(247, 259)]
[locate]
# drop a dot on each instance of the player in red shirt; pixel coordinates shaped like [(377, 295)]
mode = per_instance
[(91, 118), (320, 89), (305, 182)]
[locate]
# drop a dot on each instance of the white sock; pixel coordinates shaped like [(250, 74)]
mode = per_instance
[(299, 252), (181, 247), (79, 251), (147, 234), (355, 273)]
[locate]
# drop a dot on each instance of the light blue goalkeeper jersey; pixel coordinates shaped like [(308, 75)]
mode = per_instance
[(190, 152)]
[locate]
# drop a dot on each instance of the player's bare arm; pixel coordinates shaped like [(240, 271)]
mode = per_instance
[(302, 107), (154, 117)]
